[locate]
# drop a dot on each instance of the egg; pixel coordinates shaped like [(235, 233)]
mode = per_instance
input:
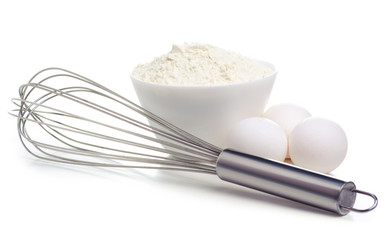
[(318, 144), (288, 116), (259, 137)]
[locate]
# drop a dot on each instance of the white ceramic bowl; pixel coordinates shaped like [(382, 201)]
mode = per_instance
[(208, 112)]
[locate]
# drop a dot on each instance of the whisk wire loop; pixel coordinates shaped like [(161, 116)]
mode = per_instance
[(166, 147)]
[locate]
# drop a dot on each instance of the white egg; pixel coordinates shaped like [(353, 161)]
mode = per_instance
[(288, 116), (318, 144), (259, 137)]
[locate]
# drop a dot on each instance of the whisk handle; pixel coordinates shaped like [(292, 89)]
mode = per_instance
[(287, 181)]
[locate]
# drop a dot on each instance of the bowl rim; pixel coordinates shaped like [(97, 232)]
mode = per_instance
[(271, 76)]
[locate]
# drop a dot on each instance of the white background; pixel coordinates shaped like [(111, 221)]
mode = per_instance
[(333, 58)]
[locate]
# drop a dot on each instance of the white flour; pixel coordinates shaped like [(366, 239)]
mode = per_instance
[(200, 64)]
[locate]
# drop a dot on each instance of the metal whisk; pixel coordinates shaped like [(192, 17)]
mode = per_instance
[(65, 117)]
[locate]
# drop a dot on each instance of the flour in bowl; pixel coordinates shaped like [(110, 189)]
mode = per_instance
[(201, 64)]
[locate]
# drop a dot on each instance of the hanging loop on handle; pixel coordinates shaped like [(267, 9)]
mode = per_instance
[(363, 210)]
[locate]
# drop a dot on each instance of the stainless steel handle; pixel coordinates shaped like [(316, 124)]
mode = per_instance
[(288, 181)]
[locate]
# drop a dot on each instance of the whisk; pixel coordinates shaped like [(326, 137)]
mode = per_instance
[(67, 118)]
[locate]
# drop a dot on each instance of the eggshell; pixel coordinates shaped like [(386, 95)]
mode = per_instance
[(288, 116), (318, 144), (259, 137)]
